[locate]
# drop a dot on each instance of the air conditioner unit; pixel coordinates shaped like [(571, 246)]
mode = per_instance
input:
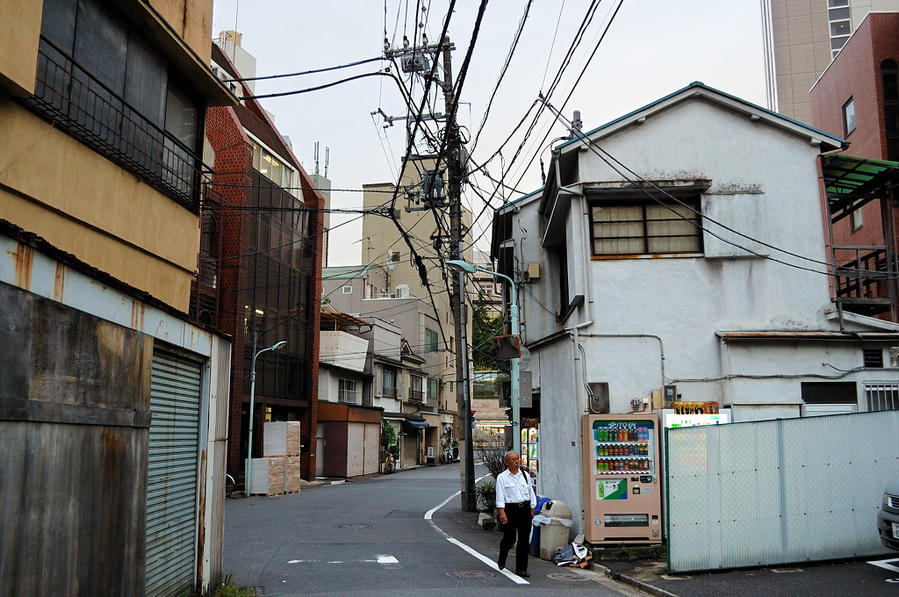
[(402, 291)]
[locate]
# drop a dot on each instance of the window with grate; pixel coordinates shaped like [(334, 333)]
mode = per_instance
[(415, 388), (346, 391), (873, 358), (102, 82), (388, 387), (624, 228), (882, 396)]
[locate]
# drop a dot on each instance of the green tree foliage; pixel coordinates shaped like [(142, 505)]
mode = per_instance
[(487, 322)]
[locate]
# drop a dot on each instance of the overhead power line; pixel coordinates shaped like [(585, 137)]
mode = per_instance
[(306, 72), (642, 183)]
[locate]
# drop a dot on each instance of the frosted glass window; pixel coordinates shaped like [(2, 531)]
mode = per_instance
[(639, 229)]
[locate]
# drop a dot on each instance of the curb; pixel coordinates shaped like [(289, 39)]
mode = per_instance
[(643, 586)]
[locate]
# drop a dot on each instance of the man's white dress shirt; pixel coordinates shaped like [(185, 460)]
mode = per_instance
[(512, 489)]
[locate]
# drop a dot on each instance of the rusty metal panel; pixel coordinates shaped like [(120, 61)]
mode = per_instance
[(777, 492), (73, 435), (172, 475)]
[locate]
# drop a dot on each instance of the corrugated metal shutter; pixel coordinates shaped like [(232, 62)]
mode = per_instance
[(172, 474), (372, 449), (355, 443)]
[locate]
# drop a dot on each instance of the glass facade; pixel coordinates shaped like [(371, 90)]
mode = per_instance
[(280, 269)]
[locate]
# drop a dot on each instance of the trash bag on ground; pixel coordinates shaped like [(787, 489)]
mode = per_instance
[(573, 554)]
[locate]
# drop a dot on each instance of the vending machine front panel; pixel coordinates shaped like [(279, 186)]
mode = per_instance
[(622, 502)]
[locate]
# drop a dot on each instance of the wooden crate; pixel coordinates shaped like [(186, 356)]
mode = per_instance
[(267, 476), (281, 438), (292, 474)]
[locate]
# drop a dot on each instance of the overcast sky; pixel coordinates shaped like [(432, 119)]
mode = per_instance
[(652, 48)]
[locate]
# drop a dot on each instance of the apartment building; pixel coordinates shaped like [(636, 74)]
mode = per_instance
[(114, 399)]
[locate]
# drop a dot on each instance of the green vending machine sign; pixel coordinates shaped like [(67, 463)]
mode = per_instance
[(611, 489)]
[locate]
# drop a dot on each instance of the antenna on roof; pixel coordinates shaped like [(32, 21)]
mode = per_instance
[(316, 157), (327, 159)]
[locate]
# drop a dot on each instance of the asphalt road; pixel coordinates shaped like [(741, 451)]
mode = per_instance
[(370, 537)]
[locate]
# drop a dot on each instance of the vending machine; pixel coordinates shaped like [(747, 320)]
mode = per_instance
[(529, 442), (622, 495)]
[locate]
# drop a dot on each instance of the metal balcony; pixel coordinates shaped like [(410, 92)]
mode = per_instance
[(79, 104)]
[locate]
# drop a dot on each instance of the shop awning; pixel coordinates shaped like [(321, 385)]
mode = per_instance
[(413, 424), (851, 181)]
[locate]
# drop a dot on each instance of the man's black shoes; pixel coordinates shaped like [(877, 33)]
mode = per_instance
[(501, 562), (523, 574)]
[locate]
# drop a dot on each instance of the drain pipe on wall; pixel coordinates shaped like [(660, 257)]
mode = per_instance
[(653, 336), (580, 366)]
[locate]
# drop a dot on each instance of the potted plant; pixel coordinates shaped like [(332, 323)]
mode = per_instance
[(486, 494)]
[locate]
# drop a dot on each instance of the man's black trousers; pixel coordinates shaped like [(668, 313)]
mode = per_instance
[(519, 517)]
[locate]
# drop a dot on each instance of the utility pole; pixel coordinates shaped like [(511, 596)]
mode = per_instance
[(454, 179)]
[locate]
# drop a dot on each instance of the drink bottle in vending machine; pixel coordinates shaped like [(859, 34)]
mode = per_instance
[(622, 497)]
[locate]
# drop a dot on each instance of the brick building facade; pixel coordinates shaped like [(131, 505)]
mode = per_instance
[(260, 272), (857, 98)]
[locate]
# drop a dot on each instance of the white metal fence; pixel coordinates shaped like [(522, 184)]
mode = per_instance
[(774, 492)]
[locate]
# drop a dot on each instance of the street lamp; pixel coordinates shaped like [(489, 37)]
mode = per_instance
[(275, 346), (470, 268)]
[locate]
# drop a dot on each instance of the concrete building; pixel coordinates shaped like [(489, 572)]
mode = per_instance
[(260, 273), (349, 427), (856, 97), (801, 37), (113, 398), (706, 269), (344, 287)]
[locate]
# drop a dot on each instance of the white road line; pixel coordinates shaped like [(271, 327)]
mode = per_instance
[(382, 558), (430, 513), (885, 565), (471, 551)]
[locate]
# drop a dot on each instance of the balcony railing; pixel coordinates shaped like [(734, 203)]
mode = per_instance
[(862, 279), (388, 392), (416, 395), (78, 103)]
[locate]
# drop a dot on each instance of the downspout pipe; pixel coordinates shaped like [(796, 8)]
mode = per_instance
[(653, 336)]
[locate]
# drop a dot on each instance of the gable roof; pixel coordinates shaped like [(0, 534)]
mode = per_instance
[(701, 90)]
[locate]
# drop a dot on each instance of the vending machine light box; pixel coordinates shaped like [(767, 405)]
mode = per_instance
[(622, 502)]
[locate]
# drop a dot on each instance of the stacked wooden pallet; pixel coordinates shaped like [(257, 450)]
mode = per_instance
[(278, 471)]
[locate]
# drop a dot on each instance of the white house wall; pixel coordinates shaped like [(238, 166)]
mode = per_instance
[(764, 182)]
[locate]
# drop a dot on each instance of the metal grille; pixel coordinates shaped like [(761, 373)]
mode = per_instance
[(88, 110), (172, 474), (873, 357), (883, 396)]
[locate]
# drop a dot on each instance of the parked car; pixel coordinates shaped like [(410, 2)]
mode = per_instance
[(888, 517)]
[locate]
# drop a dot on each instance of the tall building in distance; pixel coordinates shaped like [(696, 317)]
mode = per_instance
[(323, 185), (801, 37)]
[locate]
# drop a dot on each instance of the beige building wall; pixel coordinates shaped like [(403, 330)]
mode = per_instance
[(58, 188), (383, 245), (20, 30), (192, 20), (798, 32)]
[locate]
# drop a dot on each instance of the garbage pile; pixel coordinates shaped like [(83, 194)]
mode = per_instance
[(573, 554)]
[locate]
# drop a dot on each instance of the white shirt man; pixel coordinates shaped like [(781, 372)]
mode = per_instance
[(515, 501)]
